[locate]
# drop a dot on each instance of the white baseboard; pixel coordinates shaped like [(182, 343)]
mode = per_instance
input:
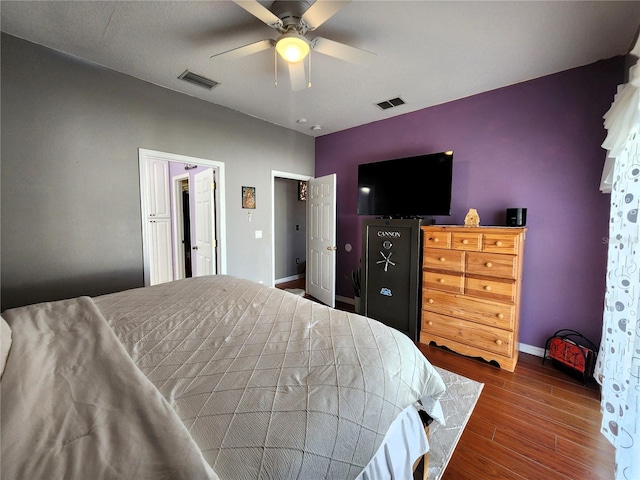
[(289, 279), (350, 301), (537, 351)]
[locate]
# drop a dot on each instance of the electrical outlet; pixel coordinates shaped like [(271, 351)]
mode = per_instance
[(258, 233), (297, 261)]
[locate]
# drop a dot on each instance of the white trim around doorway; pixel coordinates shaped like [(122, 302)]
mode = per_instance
[(144, 155)]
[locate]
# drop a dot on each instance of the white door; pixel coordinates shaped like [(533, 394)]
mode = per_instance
[(159, 222), (158, 200), (161, 267), (321, 239), (205, 222)]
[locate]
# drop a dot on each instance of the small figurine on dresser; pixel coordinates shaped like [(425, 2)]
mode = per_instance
[(472, 219)]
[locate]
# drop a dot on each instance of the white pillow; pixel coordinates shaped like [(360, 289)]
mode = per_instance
[(5, 343)]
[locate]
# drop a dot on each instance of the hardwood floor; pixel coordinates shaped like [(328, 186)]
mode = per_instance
[(535, 423), (300, 283)]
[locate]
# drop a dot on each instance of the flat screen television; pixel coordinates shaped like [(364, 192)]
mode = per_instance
[(406, 187)]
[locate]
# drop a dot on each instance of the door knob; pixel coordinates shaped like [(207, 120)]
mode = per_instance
[(331, 249), (194, 248)]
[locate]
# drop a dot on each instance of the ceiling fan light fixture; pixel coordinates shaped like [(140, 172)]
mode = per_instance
[(292, 47)]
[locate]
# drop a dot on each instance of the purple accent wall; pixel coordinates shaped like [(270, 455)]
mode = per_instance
[(535, 145)]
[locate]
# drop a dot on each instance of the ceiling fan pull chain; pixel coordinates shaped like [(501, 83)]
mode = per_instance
[(309, 84), (275, 68)]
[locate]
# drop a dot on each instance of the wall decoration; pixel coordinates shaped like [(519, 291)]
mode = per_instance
[(248, 197), (302, 190)]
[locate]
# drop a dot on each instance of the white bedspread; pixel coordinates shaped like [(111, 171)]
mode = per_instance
[(269, 384), (74, 405)]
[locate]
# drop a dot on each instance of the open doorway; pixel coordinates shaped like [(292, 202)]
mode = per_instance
[(186, 249), (194, 213), (185, 229), (182, 229), (289, 220)]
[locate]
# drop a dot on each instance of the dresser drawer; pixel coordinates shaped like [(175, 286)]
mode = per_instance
[(492, 289), (449, 282), (494, 314), (500, 243), (492, 264), (480, 336), (437, 239), (466, 241), (438, 259)]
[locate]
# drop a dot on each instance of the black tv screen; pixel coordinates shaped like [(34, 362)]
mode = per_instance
[(406, 187)]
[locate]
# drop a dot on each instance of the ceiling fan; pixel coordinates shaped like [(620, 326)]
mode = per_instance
[(293, 20)]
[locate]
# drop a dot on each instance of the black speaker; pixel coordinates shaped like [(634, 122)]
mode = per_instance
[(516, 217)]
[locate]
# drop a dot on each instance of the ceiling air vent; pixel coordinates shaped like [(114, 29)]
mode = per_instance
[(199, 80), (394, 102)]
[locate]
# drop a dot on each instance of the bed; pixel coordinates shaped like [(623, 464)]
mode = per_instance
[(212, 377)]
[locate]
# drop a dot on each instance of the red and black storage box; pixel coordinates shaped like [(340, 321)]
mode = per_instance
[(572, 350)]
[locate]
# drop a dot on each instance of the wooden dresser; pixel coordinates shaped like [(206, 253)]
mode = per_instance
[(471, 279)]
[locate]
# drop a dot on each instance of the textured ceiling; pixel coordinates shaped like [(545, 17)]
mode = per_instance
[(427, 52)]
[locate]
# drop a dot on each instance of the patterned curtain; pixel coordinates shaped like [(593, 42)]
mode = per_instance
[(618, 365)]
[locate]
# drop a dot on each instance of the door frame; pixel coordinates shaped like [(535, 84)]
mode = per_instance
[(178, 226), (289, 176), (144, 156)]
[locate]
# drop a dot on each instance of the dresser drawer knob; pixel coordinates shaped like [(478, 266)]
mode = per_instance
[(441, 280), (498, 342), (435, 240), (498, 243), (430, 300), (487, 288), (442, 259), (500, 316), (488, 264), (429, 323), (465, 241)]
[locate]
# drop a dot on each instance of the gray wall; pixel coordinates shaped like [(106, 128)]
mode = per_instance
[(290, 244), (70, 206)]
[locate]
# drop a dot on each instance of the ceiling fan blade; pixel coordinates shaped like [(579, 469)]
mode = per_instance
[(321, 11), (245, 50), (342, 51), (258, 10), (298, 76)]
